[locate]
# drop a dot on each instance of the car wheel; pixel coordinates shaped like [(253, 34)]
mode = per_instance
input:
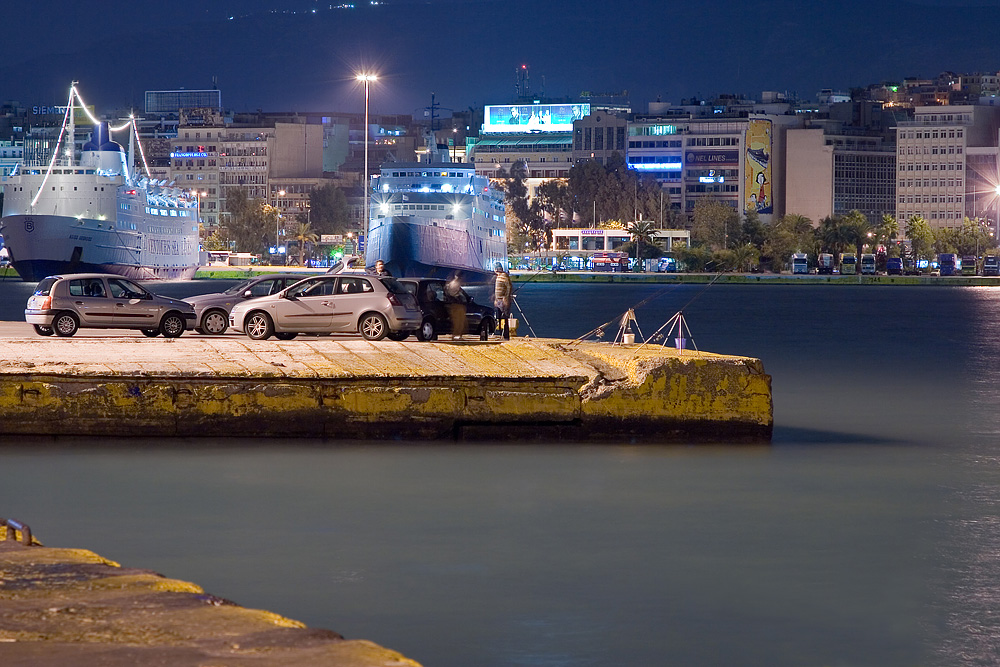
[(215, 322), (486, 328), (373, 326), (285, 335), (65, 324), (151, 333), (42, 331), (398, 335), (427, 330), (172, 325), (259, 326)]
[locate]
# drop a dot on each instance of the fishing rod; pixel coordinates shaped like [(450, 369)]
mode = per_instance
[(599, 330)]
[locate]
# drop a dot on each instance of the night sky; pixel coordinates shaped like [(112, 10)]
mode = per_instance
[(279, 55)]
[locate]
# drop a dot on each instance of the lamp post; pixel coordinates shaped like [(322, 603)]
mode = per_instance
[(277, 221), (367, 79)]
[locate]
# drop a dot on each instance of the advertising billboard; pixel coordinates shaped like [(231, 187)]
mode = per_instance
[(757, 172), (521, 118)]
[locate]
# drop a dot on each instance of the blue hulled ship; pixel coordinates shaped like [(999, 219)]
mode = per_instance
[(434, 218)]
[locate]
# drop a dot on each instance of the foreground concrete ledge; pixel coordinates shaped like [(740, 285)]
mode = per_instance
[(73, 607), (349, 388)]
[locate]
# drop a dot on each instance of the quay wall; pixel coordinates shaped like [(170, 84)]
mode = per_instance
[(355, 389), (73, 607)]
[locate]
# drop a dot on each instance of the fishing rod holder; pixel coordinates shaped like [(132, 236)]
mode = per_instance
[(12, 527)]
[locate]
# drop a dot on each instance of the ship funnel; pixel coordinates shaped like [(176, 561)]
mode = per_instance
[(101, 152)]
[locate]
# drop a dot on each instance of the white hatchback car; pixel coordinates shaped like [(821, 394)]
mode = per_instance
[(344, 303)]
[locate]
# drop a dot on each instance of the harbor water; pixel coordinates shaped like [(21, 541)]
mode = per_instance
[(867, 533)]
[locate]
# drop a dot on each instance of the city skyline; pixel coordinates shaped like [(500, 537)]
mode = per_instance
[(304, 56)]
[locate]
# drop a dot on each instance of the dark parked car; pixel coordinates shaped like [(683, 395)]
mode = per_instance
[(479, 319), (213, 309)]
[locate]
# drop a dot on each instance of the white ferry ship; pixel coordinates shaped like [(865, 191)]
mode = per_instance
[(434, 218), (93, 214)]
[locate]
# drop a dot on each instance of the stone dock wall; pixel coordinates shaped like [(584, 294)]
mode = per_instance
[(350, 388), (73, 607)]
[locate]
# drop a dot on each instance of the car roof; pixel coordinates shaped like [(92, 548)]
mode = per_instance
[(76, 276), (293, 276)]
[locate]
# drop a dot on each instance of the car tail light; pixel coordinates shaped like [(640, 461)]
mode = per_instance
[(393, 301)]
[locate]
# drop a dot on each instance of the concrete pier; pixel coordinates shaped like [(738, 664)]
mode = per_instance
[(73, 607), (349, 388)]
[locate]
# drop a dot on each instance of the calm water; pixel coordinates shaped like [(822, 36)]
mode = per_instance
[(867, 534)]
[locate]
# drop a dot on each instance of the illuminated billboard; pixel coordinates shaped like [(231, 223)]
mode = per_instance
[(533, 117)]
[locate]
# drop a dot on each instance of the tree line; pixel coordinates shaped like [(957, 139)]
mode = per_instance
[(593, 194), (251, 222), (722, 240)]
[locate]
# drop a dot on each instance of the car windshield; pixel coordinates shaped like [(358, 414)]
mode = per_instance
[(44, 286), (239, 288)]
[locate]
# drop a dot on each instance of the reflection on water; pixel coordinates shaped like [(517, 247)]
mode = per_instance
[(867, 534)]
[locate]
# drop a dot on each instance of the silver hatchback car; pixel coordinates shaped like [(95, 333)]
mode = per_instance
[(63, 304), (375, 307)]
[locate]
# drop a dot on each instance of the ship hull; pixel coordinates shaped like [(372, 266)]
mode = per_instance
[(44, 245), (419, 250)]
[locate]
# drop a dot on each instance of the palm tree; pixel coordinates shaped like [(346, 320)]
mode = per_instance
[(303, 235), (744, 256), (643, 231)]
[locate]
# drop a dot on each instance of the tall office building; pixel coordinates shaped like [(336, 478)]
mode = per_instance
[(946, 164)]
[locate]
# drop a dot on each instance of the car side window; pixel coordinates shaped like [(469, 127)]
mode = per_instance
[(355, 286), (320, 288), (94, 287), (263, 288), (123, 289), (90, 287)]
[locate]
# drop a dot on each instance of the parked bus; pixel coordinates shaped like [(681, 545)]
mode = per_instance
[(800, 262), (868, 264), (970, 265), (609, 261), (991, 265), (949, 264), (848, 263)]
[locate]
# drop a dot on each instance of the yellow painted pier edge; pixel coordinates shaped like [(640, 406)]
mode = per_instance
[(355, 389)]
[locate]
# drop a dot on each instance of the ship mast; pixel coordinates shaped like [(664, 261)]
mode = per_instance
[(71, 130)]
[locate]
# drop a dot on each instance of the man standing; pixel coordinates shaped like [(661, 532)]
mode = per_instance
[(381, 271), (502, 294)]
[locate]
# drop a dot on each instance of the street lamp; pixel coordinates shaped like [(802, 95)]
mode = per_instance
[(367, 79), (277, 220)]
